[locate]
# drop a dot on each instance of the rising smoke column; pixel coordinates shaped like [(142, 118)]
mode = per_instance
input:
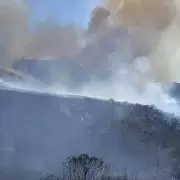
[(146, 33), (13, 31), (158, 19)]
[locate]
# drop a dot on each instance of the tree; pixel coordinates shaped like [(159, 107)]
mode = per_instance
[(82, 167)]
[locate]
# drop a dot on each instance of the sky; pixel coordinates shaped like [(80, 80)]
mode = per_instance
[(67, 11)]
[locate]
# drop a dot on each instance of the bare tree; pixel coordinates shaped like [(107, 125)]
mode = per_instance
[(82, 167)]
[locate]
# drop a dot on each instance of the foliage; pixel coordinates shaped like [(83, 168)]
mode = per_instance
[(84, 167)]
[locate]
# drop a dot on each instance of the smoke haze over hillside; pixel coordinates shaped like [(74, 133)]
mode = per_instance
[(152, 27), (130, 52), (135, 43)]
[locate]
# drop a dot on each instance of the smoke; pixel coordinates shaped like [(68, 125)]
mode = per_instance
[(13, 30), (143, 13), (133, 43), (159, 21), (152, 26), (48, 40), (53, 41), (146, 57)]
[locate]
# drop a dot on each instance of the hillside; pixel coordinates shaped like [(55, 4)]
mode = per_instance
[(65, 71), (40, 130)]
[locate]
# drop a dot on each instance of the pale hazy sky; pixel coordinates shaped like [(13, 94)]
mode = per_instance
[(67, 11)]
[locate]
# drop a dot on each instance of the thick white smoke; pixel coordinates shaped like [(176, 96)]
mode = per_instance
[(154, 30)]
